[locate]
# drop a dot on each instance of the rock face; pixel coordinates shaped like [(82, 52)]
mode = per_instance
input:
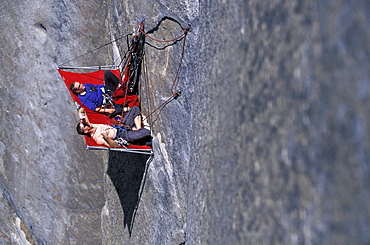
[(48, 179), (267, 144), (280, 130)]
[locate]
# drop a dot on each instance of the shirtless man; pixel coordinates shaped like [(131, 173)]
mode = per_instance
[(111, 136)]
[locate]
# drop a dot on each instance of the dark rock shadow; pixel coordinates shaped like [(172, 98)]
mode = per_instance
[(127, 172)]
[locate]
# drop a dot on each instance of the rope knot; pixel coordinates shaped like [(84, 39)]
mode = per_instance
[(187, 29), (176, 94)]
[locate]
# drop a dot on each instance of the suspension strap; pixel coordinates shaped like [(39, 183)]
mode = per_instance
[(93, 50)]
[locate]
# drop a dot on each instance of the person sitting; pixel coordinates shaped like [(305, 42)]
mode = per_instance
[(98, 97), (115, 136)]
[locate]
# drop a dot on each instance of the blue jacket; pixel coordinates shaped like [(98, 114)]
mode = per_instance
[(93, 97)]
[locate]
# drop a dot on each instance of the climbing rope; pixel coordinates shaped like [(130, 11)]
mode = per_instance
[(173, 96), (176, 94), (181, 58), (166, 41)]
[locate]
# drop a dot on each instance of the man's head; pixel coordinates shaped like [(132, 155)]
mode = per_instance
[(83, 128), (77, 87)]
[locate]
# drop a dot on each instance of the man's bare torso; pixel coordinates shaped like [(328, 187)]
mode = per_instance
[(98, 137)]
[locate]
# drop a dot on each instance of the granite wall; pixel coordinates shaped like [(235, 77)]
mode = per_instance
[(267, 144)]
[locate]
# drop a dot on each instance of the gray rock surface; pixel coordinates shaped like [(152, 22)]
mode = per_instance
[(267, 144), (53, 185)]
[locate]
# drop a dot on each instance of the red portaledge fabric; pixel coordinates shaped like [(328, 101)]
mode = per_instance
[(97, 78)]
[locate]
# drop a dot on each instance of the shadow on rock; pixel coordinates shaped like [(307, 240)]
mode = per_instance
[(127, 172)]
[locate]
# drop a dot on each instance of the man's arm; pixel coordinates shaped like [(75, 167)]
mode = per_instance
[(101, 141), (108, 140), (110, 110), (104, 110), (82, 114)]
